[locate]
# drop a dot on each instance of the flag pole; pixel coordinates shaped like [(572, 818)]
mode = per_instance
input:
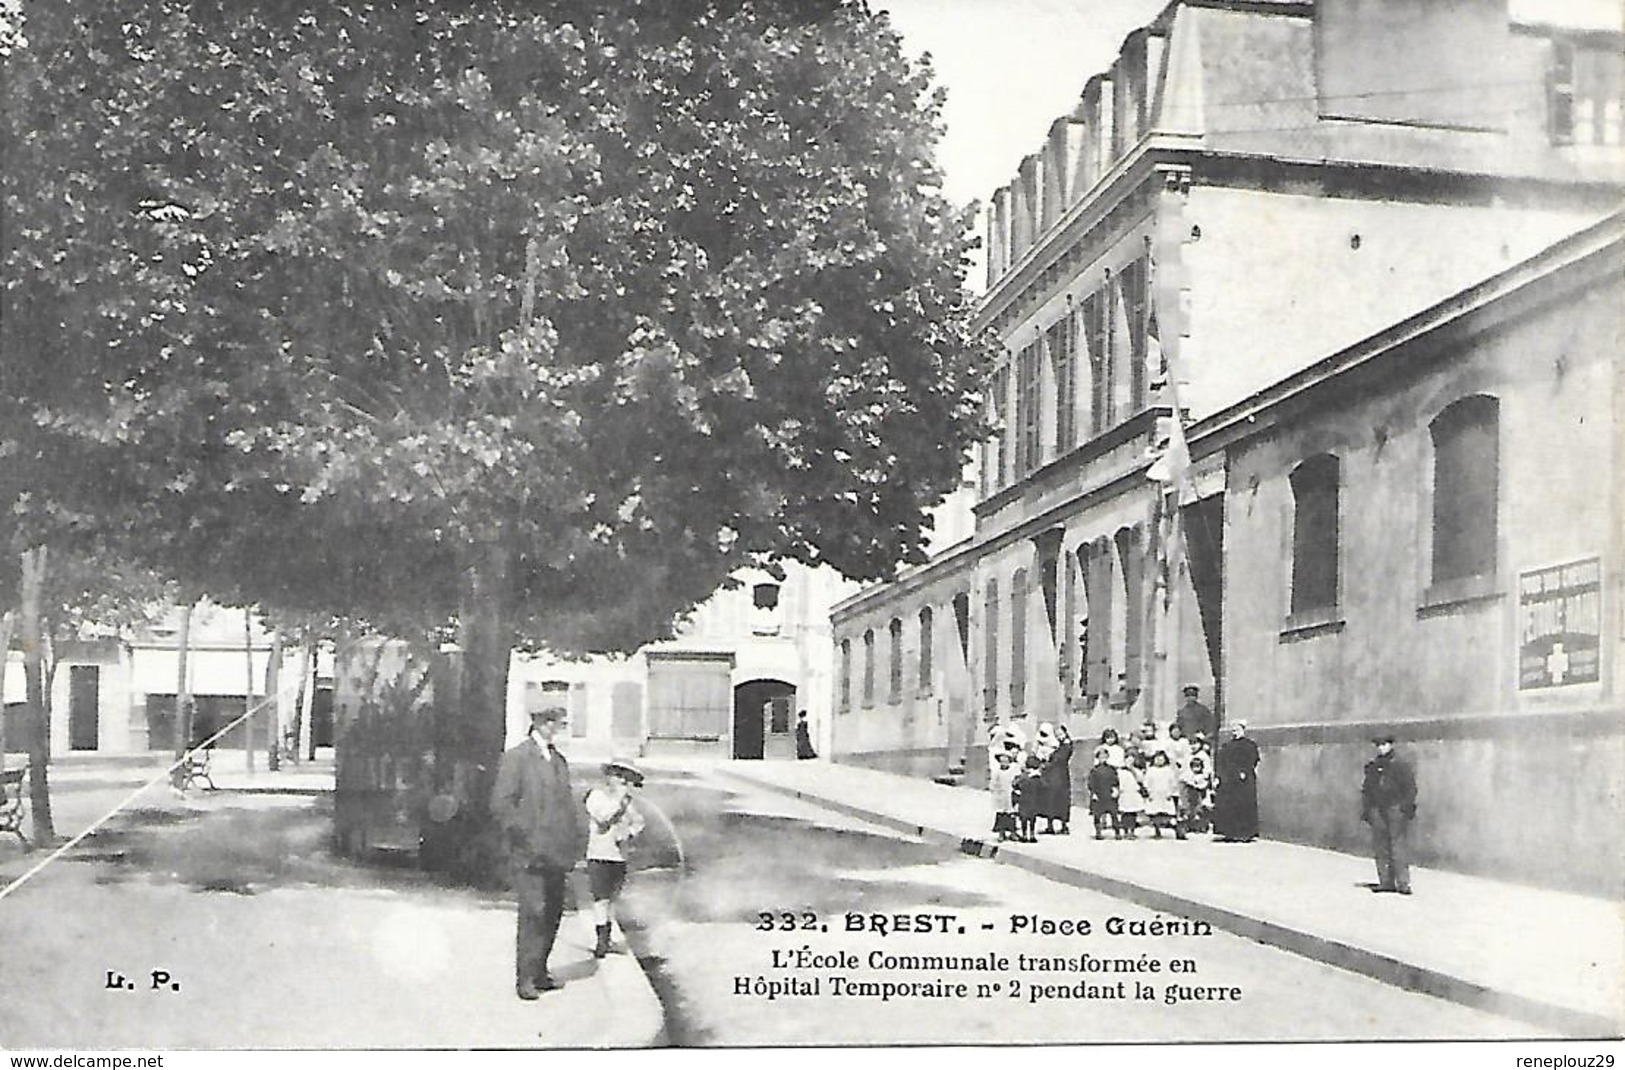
[(1171, 469)]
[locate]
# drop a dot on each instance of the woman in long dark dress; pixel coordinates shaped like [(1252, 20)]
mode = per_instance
[(1235, 799), (1057, 781), (804, 744)]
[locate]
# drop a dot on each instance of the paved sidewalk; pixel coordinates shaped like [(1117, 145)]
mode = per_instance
[(1550, 958), (275, 941)]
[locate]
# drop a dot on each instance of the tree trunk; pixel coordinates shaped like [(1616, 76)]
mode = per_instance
[(183, 695), (273, 704), (307, 696), (7, 622), (486, 637), (248, 689), (39, 708)]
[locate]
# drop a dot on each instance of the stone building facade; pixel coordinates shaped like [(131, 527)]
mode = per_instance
[(1251, 189)]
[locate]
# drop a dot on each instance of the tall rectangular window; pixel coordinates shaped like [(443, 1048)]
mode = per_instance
[(962, 625), (1098, 334), (869, 667), (1096, 640), (998, 446), (1585, 89), (1466, 489), (894, 678), (1029, 411), (1314, 534), (990, 647), (1131, 558), (927, 641), (1135, 292), (1560, 93), (846, 675), (1018, 640), (1062, 354)]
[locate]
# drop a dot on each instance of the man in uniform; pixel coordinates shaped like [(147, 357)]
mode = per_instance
[(1194, 718), (1388, 805), (546, 836)]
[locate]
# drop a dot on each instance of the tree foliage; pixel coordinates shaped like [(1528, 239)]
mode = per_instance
[(331, 306)]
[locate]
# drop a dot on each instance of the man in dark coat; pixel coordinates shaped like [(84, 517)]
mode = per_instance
[(1388, 805), (1235, 798), (546, 835), (1193, 718)]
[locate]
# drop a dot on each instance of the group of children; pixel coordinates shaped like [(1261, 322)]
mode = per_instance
[(1016, 793), (1030, 781), (1156, 779)]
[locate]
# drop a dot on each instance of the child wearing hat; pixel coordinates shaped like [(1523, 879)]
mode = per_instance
[(1029, 798), (613, 822), (1001, 785)]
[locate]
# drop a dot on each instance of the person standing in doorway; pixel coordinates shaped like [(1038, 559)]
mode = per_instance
[(1235, 796), (1388, 805), (534, 805)]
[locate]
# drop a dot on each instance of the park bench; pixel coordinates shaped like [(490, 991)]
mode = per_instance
[(194, 769), (11, 802)]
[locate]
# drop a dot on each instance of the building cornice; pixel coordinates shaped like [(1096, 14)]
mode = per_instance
[(1127, 194), (902, 585), (1043, 478)]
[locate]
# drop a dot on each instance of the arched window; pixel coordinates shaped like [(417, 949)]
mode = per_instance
[(1131, 568), (1018, 639), (962, 625), (927, 641), (1314, 534), (869, 667), (1095, 619), (1466, 489), (894, 651)]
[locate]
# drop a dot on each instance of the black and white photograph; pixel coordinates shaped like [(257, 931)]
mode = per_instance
[(1092, 526)]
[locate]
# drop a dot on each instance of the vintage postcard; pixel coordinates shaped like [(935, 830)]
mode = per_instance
[(1137, 482)]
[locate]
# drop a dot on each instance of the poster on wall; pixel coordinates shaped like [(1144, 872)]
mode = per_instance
[(1559, 625)]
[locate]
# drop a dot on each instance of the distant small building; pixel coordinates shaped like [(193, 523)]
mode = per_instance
[(729, 684), (114, 693)]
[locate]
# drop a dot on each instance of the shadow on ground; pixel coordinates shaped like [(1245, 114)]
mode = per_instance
[(740, 862), (244, 850)]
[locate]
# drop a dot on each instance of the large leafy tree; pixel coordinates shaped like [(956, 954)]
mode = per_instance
[(545, 316)]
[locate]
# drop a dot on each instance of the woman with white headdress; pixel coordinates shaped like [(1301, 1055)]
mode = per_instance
[(1235, 795)]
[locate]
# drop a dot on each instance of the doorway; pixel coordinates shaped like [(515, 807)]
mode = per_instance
[(764, 720), (84, 706)]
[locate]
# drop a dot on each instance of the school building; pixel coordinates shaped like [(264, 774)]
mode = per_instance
[(1359, 259)]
